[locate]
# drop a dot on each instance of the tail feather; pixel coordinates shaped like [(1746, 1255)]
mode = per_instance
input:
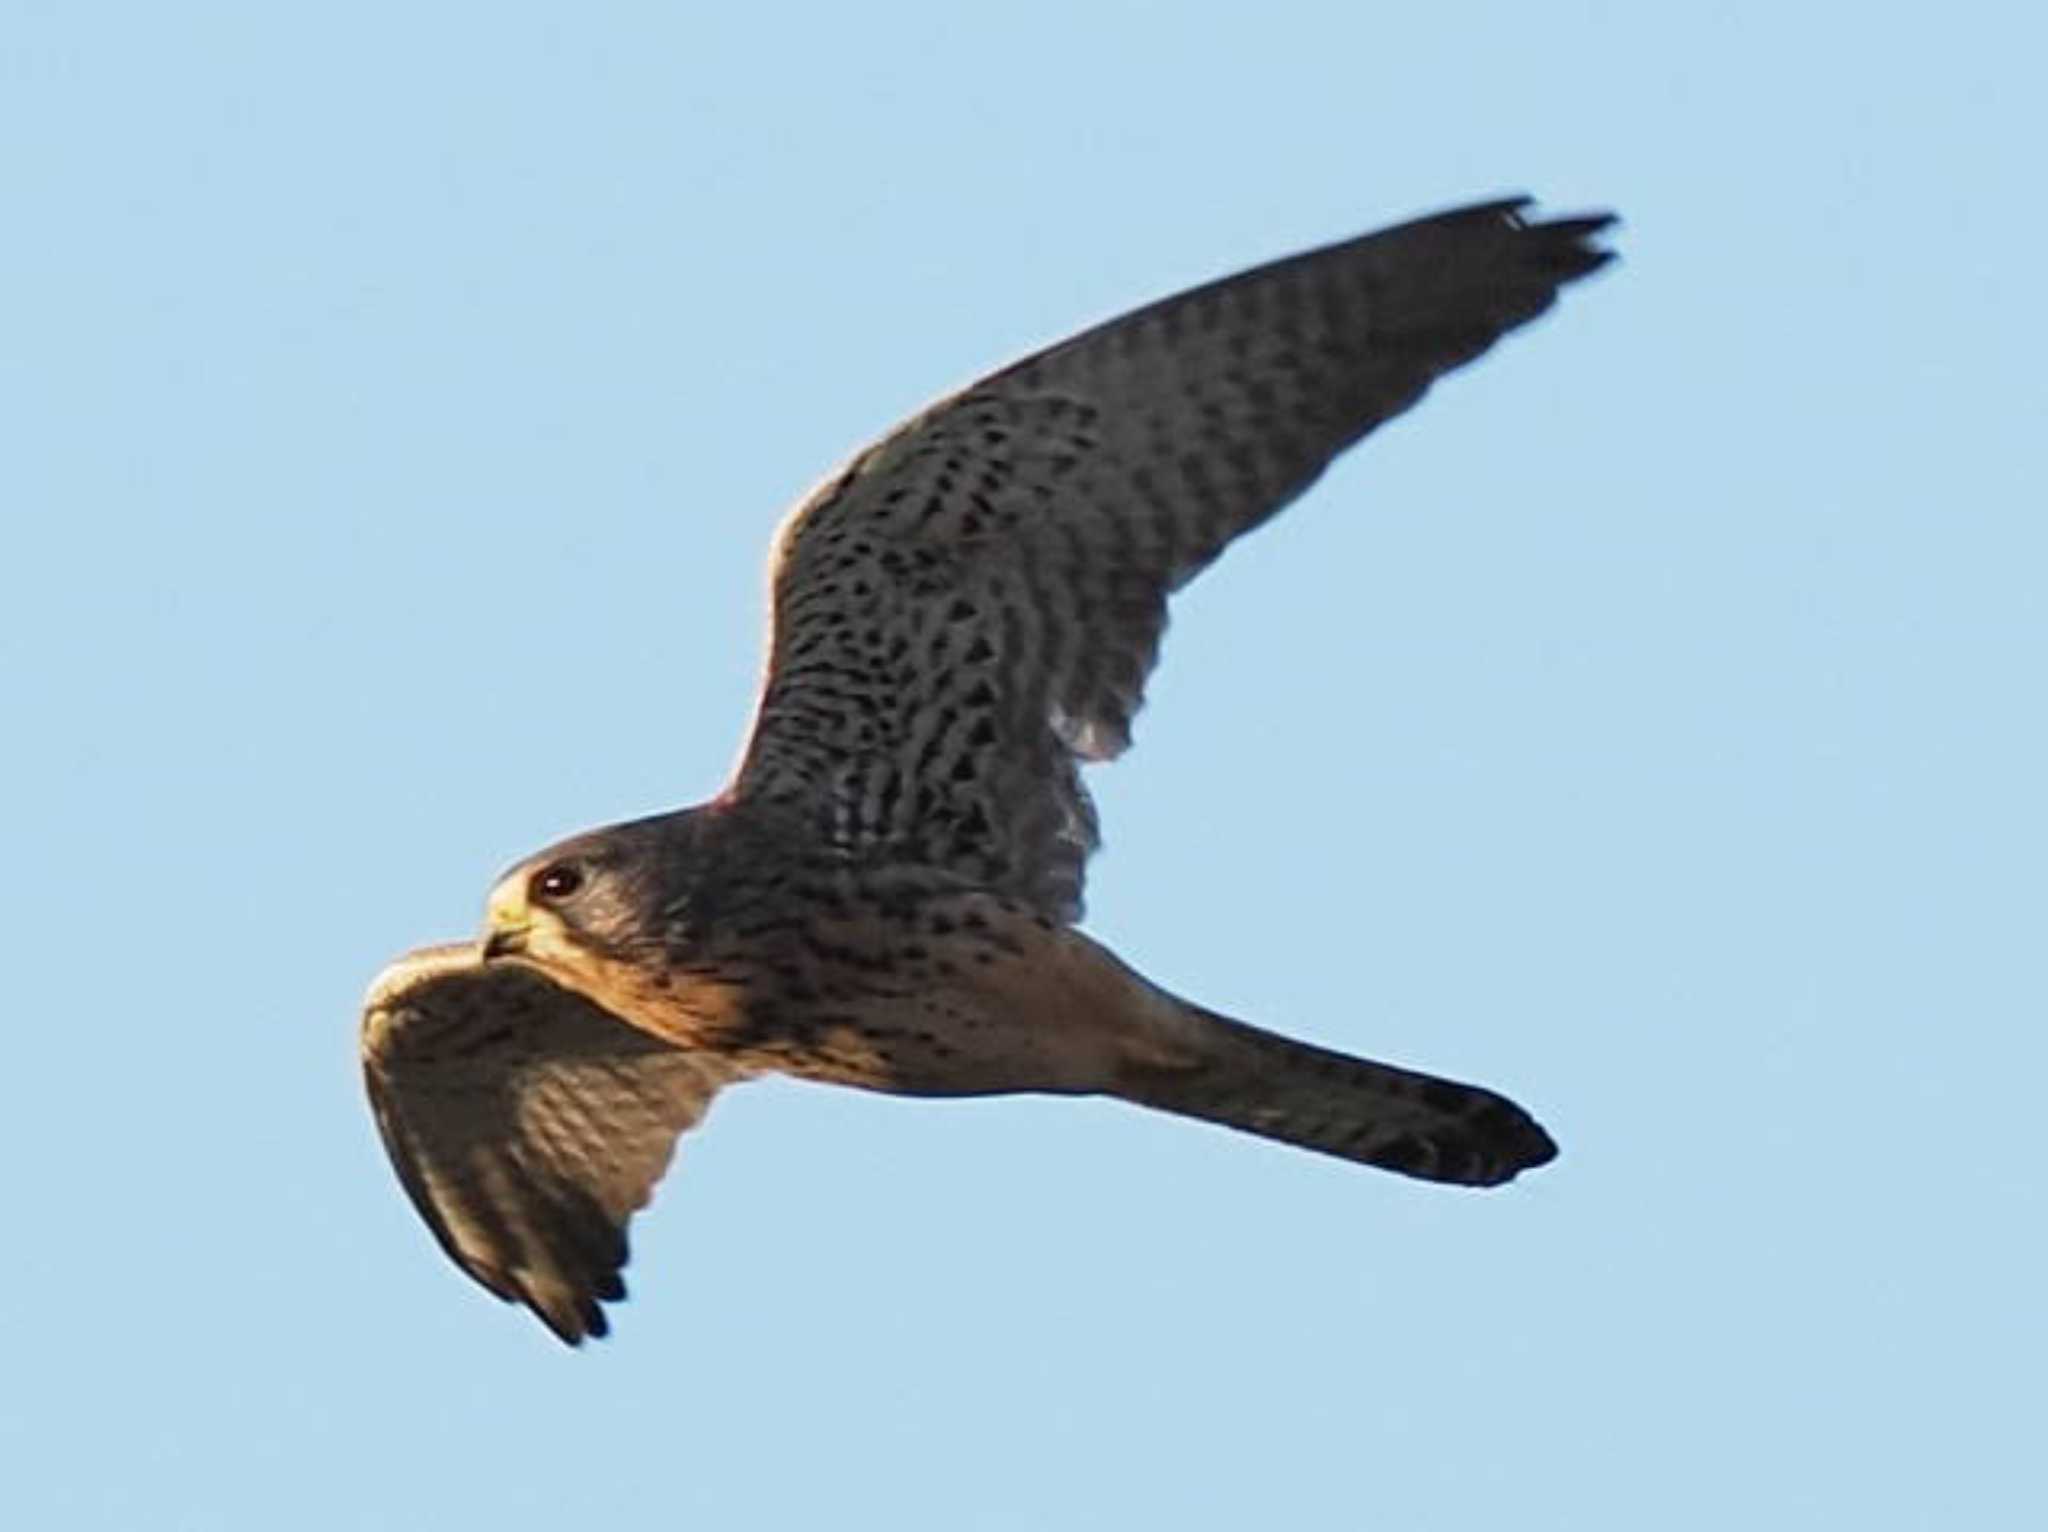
[(1374, 1114)]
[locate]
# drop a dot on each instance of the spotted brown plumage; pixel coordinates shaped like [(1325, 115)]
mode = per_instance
[(885, 894), (972, 607)]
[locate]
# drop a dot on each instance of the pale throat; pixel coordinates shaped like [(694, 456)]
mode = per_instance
[(691, 1010)]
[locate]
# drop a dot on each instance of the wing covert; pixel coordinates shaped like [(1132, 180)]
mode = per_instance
[(526, 1123), (970, 609)]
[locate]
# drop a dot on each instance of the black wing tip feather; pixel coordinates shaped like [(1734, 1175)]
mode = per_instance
[(1513, 210), (531, 1267), (1562, 246), (571, 1323), (1568, 251), (567, 1303), (572, 1313), (571, 1267), (1453, 284), (570, 1307)]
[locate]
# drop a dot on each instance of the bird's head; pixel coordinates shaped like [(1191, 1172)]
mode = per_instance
[(584, 899)]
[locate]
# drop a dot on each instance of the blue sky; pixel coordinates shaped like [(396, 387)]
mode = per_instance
[(398, 403)]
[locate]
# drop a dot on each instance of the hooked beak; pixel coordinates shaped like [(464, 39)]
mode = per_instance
[(508, 922), (504, 941)]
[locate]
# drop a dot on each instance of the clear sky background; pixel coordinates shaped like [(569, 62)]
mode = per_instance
[(396, 402)]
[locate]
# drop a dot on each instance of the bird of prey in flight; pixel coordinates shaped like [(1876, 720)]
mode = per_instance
[(885, 894)]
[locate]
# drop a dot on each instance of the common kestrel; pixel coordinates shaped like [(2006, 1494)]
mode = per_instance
[(885, 894)]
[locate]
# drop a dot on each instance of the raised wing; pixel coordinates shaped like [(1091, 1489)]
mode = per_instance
[(527, 1123), (970, 609)]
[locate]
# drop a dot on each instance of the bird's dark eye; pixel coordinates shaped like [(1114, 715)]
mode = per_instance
[(557, 881)]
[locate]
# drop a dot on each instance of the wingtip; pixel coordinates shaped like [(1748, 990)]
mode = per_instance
[(1575, 237), (573, 1332), (1563, 247), (1583, 229), (573, 1317)]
